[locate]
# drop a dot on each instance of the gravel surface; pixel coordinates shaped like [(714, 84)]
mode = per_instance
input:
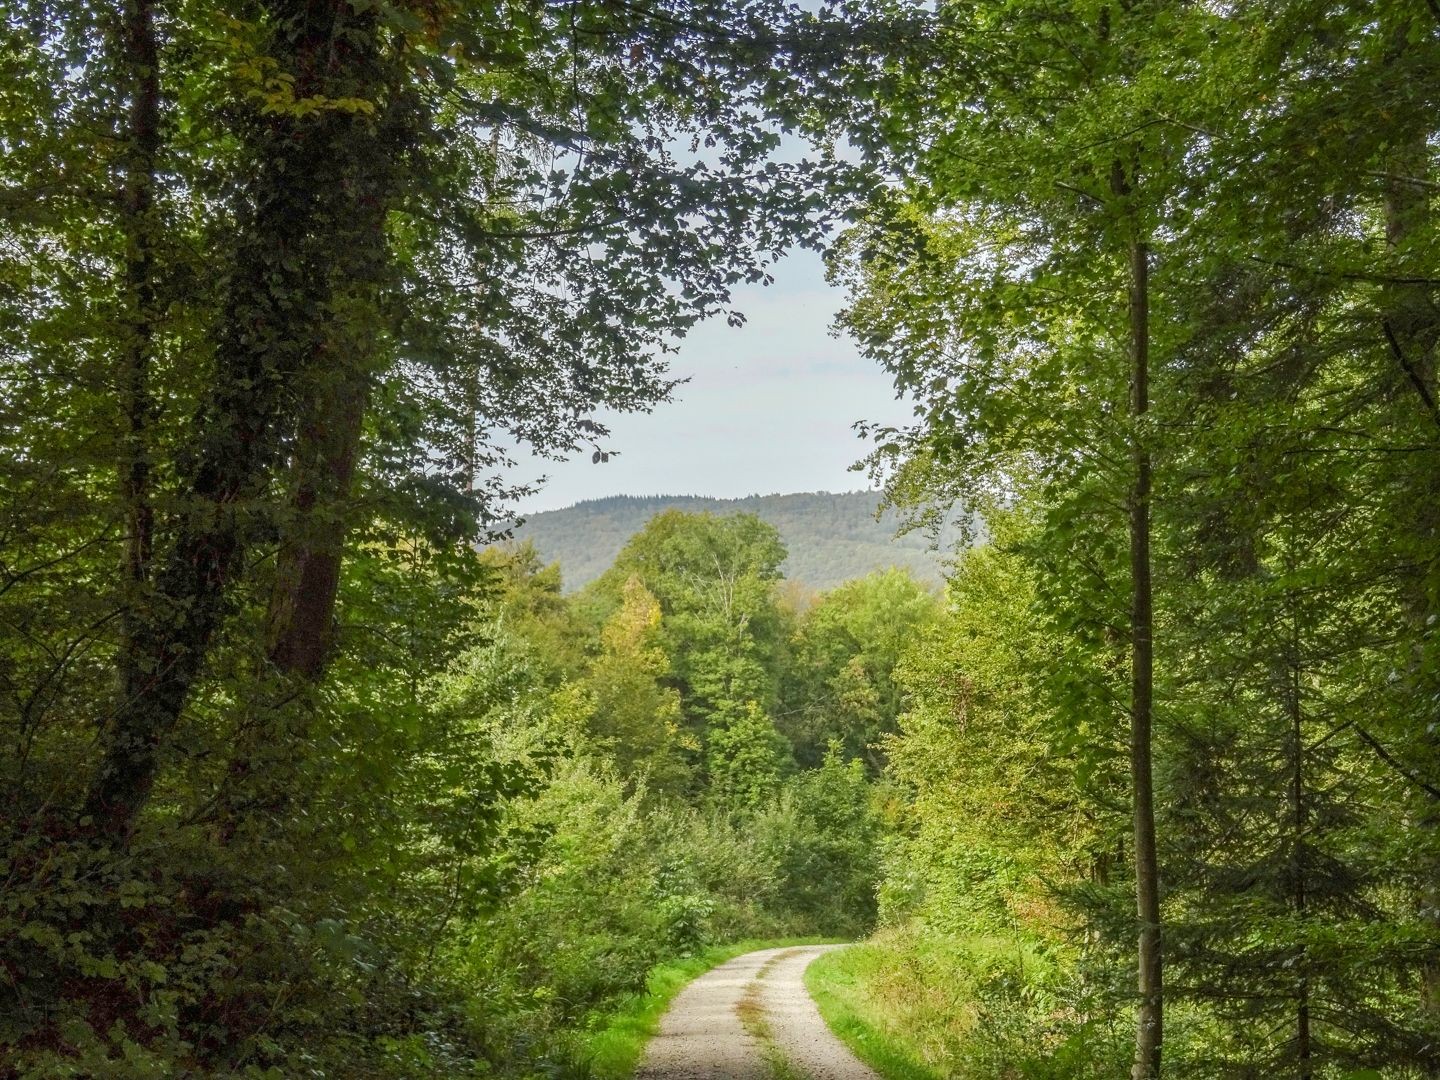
[(734, 1021)]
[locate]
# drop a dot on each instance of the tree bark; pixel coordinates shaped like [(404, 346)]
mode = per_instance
[(139, 58), (301, 614), (1150, 1015), (307, 575), (1298, 819)]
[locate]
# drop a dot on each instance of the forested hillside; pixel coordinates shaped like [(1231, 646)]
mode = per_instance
[(302, 778), (831, 538)]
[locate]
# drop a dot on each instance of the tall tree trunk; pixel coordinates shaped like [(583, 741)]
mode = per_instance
[(138, 54), (1412, 333), (318, 181), (307, 574), (1298, 819), (1150, 1016), (301, 615)]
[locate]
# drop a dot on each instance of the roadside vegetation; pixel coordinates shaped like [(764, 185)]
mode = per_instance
[(849, 989)]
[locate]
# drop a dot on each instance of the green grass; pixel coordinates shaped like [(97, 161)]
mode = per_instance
[(612, 1049), (837, 982)]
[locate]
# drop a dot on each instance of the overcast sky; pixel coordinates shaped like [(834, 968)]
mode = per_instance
[(768, 408)]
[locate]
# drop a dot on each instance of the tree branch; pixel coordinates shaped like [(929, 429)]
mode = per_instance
[(1389, 759), (1414, 376), (1345, 275)]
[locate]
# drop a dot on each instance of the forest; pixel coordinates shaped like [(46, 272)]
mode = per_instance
[(304, 774)]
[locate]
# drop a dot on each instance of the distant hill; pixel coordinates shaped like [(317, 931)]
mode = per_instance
[(831, 538)]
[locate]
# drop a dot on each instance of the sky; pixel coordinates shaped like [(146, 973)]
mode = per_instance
[(768, 408)]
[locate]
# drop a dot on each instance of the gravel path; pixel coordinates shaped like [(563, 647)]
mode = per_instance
[(738, 1020)]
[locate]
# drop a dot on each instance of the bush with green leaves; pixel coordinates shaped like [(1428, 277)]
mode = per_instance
[(823, 836)]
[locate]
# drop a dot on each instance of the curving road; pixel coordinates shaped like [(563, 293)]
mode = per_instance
[(750, 1019)]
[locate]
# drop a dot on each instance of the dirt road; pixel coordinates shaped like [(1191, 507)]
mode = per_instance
[(750, 1019)]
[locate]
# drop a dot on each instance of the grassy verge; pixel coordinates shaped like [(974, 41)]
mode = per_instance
[(612, 1049), (838, 983)]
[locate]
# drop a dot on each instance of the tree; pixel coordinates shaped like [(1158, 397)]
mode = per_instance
[(839, 678), (1290, 357), (745, 758), (825, 838), (1002, 803), (715, 579), (637, 718)]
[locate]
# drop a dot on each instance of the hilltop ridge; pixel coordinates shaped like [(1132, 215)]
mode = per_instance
[(832, 537)]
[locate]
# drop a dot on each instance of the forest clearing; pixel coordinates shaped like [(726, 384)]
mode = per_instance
[(1123, 762)]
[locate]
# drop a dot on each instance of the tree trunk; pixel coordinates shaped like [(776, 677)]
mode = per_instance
[(139, 58), (1150, 1017), (1412, 333), (1298, 817), (319, 182), (301, 616), (307, 574)]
